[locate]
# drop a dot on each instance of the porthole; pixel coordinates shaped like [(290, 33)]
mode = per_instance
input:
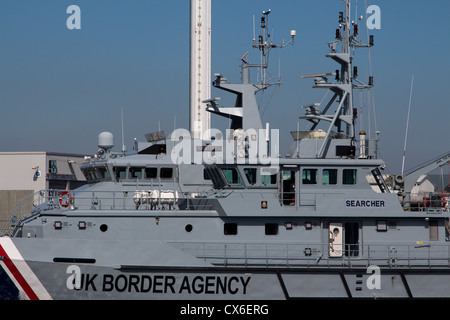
[(103, 228), (188, 228)]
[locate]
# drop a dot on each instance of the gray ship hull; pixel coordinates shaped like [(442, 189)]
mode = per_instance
[(87, 278)]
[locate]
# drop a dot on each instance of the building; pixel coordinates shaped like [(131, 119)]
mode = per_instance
[(22, 174)]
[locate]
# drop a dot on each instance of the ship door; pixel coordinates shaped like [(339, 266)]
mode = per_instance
[(351, 239), (287, 185), (335, 237)]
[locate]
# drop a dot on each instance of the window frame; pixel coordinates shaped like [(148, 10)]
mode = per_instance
[(312, 180), (335, 180), (346, 178), (238, 176)]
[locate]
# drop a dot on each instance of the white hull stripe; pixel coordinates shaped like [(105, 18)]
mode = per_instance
[(20, 273)]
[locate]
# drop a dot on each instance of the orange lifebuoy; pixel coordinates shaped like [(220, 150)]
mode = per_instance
[(65, 199)]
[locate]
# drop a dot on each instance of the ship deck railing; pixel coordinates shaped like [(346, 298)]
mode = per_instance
[(265, 255), (138, 199), (130, 200)]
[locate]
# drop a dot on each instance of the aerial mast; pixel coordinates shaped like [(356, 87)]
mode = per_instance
[(346, 79)]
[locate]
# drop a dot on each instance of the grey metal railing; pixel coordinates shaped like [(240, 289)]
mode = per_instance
[(316, 255), (24, 208), (131, 200)]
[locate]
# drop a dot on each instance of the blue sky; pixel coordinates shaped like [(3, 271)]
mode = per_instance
[(60, 88)]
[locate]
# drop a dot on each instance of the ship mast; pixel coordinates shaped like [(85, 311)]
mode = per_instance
[(345, 81), (245, 113)]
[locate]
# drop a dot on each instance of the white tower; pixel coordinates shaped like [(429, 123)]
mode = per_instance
[(200, 68)]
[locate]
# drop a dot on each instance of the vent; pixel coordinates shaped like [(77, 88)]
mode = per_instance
[(73, 260)]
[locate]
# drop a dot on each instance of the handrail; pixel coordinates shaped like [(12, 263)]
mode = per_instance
[(132, 199), (22, 209), (293, 255)]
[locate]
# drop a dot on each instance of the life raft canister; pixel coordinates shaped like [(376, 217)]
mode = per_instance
[(65, 198)]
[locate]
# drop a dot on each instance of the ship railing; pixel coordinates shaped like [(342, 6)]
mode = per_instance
[(266, 255), (130, 200), (26, 207)]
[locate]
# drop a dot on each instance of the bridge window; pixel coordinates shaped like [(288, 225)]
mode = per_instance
[(166, 173), (329, 176), (103, 173), (151, 173), (349, 176), (250, 174), (95, 174), (232, 176), (135, 173), (120, 172), (309, 176), (268, 176), (89, 174)]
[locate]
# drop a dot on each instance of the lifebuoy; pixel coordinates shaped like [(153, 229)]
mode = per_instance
[(65, 199)]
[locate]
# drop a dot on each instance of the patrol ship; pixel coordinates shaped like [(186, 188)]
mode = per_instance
[(228, 218)]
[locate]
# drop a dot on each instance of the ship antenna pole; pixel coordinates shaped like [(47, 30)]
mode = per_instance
[(124, 148), (265, 44), (407, 125)]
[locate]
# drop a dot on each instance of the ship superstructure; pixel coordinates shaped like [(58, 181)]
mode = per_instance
[(229, 218)]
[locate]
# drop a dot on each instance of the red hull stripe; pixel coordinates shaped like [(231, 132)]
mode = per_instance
[(12, 262)]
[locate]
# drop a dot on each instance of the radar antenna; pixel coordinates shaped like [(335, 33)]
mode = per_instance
[(265, 44)]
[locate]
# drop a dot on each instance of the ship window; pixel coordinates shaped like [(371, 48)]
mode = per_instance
[(271, 229), (104, 173), (120, 172), (250, 174), (268, 178), (151, 173), (309, 176), (231, 175), (206, 175), (230, 229), (94, 174), (268, 175), (166, 173), (349, 176), (329, 176), (88, 174), (135, 173)]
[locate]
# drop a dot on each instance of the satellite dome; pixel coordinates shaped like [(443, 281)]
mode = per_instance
[(105, 140)]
